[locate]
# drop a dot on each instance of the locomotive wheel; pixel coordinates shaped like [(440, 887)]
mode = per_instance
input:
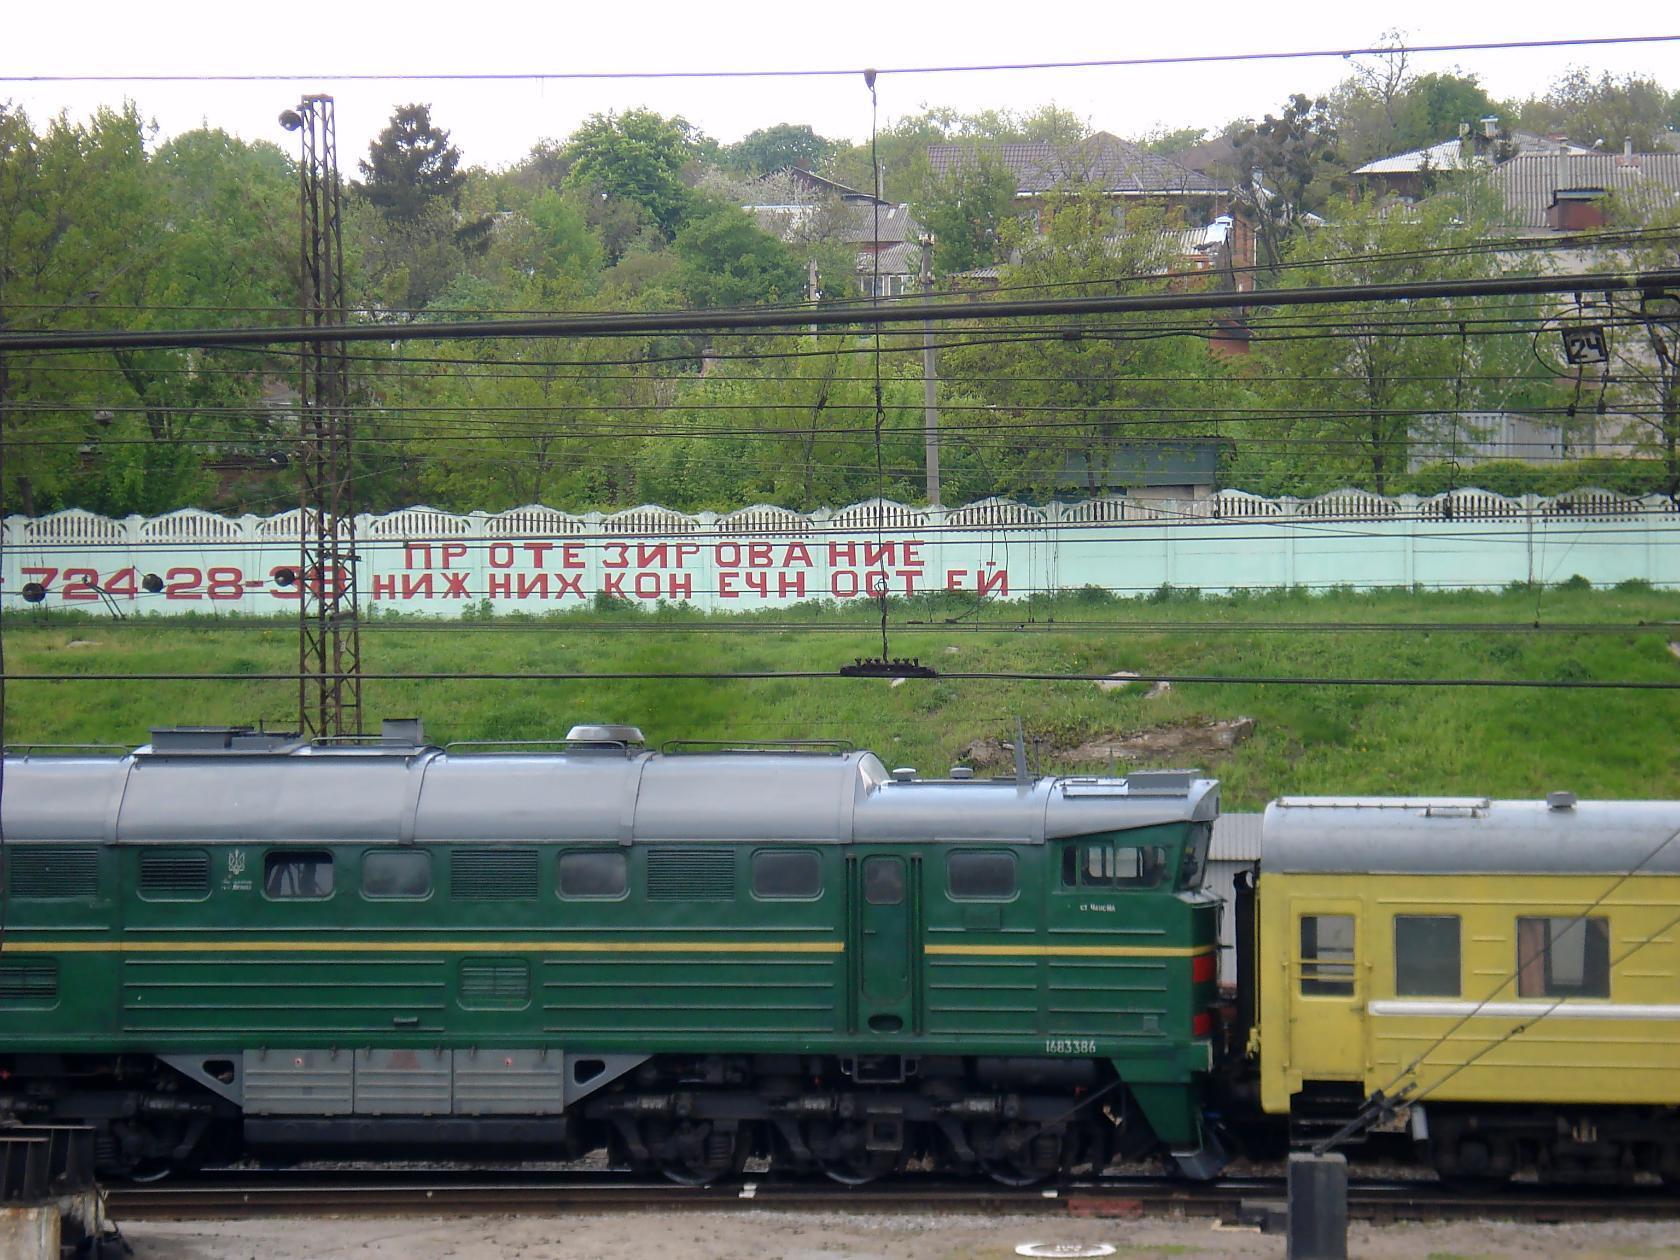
[(843, 1154), (697, 1154), (1019, 1157)]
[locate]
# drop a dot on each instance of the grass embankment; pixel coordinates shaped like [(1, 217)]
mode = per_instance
[(1307, 739)]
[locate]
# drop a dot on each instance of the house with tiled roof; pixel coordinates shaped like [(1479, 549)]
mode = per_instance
[(1548, 194), (1198, 206), (1408, 175), (1119, 169), (802, 208)]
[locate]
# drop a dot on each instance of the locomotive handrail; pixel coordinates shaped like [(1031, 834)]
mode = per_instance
[(538, 743), (28, 748), (817, 747)]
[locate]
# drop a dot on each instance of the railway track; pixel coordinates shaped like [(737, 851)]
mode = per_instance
[(1256, 1201)]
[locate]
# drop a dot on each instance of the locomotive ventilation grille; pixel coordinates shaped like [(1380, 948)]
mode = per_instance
[(54, 872), (691, 875), (27, 984), (170, 876), (494, 874)]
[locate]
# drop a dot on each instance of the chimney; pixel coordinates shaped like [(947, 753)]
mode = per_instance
[(1490, 126), (1627, 146)]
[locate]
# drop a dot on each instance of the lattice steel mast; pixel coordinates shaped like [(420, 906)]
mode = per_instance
[(329, 637)]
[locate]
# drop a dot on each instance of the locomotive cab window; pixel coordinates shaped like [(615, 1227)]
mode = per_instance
[(598, 873), (981, 875), (1112, 865), (1426, 955), (393, 875), (1327, 955), (298, 875), (1563, 957), (786, 874)]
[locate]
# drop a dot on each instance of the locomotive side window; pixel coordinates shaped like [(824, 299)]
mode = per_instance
[(298, 874), (1112, 866), (1327, 955), (1426, 955), (594, 873), (981, 874), (404, 873), (794, 874), (1563, 957)]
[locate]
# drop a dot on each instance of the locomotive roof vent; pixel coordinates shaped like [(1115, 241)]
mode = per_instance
[(1560, 800), (402, 732), (904, 774), (607, 735), (209, 739), (962, 772)]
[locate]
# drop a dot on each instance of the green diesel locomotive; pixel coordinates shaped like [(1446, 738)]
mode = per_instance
[(230, 940)]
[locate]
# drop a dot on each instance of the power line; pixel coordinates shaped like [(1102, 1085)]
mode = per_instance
[(638, 323), (1258, 680), (545, 76)]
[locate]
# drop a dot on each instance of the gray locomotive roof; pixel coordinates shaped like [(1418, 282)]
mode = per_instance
[(1415, 835), (303, 793)]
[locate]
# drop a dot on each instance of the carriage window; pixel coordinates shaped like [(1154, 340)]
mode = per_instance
[(987, 875), (1563, 957), (883, 881), (399, 874), (1426, 955), (786, 873), (1112, 866), (1327, 955), (298, 875), (593, 873)]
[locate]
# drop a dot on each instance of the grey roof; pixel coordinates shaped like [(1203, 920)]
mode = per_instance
[(373, 795), (1530, 182), (1236, 838), (1114, 165), (1453, 154), (853, 224), (1420, 835)]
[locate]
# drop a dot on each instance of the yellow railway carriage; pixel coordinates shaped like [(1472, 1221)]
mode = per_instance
[(1508, 970)]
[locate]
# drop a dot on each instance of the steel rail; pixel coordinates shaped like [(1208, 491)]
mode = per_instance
[(1254, 1199)]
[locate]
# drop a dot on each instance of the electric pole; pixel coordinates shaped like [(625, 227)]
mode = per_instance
[(329, 635), (930, 381)]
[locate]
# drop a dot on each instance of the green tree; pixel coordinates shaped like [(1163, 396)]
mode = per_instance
[(1104, 385), (84, 239), (1644, 368), (411, 167), (728, 261), (638, 157), (1372, 386), (1295, 155), (1604, 111), (772, 148), (967, 211)]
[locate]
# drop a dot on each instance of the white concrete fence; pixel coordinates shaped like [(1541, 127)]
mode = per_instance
[(532, 559)]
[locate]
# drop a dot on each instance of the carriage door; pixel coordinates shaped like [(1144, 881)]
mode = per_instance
[(1326, 990), (885, 892)]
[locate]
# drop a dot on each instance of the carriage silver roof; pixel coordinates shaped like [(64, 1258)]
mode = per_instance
[(1469, 835), (260, 792)]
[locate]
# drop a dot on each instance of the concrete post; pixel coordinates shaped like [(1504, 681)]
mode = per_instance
[(29, 1233), (1317, 1207)]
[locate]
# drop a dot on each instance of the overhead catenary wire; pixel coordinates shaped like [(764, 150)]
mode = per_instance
[(772, 675), (1095, 63)]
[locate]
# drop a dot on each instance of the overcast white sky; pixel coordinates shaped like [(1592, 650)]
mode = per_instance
[(496, 124)]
